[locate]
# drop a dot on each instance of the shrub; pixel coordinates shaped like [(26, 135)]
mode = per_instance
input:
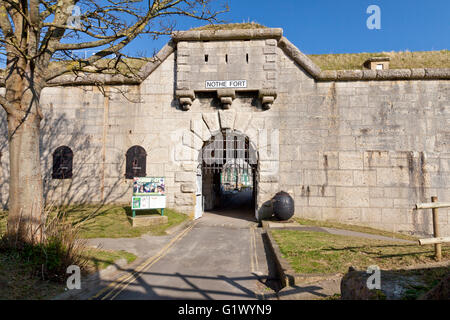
[(49, 259)]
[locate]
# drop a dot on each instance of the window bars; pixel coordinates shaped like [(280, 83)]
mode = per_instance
[(136, 162), (62, 163), (228, 150)]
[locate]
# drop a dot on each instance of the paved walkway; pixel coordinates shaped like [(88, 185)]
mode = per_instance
[(220, 256), (207, 261), (340, 232)]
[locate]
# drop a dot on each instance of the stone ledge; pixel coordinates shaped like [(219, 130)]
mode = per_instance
[(384, 75), (360, 75), (83, 79), (239, 34), (113, 79), (147, 221), (160, 57), (299, 57)]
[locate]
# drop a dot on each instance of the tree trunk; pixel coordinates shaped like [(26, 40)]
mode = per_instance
[(26, 218)]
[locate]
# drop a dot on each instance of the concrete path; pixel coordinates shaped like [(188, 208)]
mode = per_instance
[(207, 262), (341, 232), (220, 256), (365, 235), (145, 246)]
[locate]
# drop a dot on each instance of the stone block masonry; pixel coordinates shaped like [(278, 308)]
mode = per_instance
[(353, 146)]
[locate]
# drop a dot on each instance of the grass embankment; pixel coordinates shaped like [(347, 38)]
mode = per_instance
[(113, 221), (315, 253), (350, 227), (399, 60)]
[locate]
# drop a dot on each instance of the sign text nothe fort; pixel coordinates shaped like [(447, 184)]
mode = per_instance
[(226, 84)]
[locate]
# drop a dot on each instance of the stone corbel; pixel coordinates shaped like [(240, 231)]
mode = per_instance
[(267, 98), (186, 98), (226, 97)]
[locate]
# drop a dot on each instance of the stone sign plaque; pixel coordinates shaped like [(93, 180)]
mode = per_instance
[(225, 84)]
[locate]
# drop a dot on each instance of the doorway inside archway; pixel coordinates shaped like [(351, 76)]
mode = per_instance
[(227, 172)]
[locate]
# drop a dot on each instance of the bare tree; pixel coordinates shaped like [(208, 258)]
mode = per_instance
[(40, 39)]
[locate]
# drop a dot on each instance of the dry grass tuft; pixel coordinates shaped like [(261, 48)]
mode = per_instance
[(231, 26), (49, 259)]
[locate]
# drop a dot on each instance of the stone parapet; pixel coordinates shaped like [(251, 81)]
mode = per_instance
[(218, 35), (273, 37)]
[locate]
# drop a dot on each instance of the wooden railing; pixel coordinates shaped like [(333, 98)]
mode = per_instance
[(437, 240)]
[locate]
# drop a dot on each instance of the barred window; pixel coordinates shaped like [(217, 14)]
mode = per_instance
[(62, 163), (136, 162)]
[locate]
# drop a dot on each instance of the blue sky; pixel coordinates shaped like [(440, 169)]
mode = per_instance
[(339, 26)]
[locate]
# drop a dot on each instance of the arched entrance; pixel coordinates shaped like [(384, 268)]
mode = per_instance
[(227, 176)]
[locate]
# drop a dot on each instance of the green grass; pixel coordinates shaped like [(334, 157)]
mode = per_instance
[(3, 219), (315, 252), (337, 225), (16, 278), (399, 60), (17, 281), (112, 221)]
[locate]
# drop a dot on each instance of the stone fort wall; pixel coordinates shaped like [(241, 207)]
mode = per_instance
[(346, 146)]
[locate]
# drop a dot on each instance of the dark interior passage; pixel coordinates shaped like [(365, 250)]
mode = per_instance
[(229, 175)]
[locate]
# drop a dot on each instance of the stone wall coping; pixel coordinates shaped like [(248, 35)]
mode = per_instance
[(160, 57), (93, 79), (113, 79), (378, 59), (238, 34), (360, 75), (247, 34)]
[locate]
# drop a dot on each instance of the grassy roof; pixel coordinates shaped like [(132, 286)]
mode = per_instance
[(399, 60), (355, 61), (346, 61), (231, 26)]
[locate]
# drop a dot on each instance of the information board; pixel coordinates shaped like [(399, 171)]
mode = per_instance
[(148, 202), (148, 193)]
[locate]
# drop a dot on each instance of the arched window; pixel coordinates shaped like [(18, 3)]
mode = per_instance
[(62, 163), (136, 162)]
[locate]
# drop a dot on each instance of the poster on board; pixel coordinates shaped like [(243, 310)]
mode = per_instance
[(149, 187), (148, 193)]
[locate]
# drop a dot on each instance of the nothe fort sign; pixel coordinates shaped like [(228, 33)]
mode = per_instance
[(226, 84), (353, 146)]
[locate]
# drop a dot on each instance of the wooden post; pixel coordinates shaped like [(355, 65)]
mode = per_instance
[(437, 233)]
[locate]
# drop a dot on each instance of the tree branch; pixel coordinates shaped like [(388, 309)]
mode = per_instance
[(10, 109)]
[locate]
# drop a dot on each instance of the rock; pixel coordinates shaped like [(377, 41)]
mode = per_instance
[(440, 292), (354, 286), (394, 285)]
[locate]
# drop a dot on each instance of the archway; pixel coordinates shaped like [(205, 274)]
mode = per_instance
[(228, 164)]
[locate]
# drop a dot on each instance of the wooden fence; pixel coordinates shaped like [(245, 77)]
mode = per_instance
[(437, 240)]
